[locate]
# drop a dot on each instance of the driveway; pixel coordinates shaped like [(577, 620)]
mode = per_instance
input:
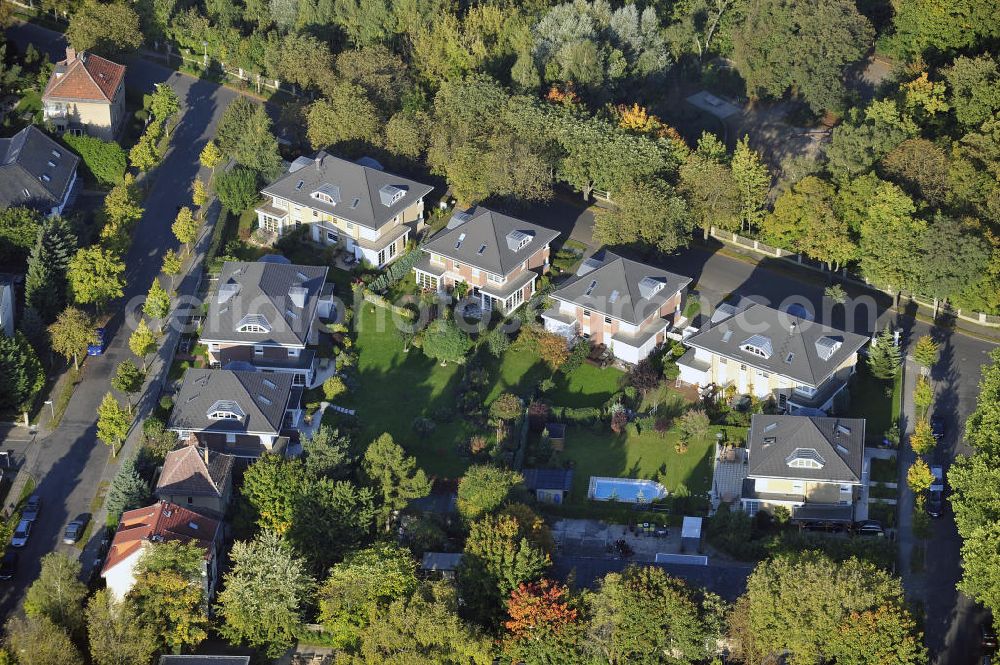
[(71, 461)]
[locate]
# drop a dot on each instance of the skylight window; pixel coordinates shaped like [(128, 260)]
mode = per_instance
[(298, 185), (614, 296), (263, 400), (56, 154), (789, 357), (268, 383), (482, 248), (590, 289), (461, 239), (45, 177), (52, 164), (770, 426), (726, 336)]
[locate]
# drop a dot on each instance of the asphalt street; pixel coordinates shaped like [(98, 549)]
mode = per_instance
[(70, 460)]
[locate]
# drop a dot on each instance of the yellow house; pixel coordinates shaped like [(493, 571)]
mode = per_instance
[(86, 95), (812, 466)]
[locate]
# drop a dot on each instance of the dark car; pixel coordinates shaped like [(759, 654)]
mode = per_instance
[(869, 528), (8, 566), (74, 530), (937, 426), (988, 636), (96, 348), (934, 502), (32, 508)]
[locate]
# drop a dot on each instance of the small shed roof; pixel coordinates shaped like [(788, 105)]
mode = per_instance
[(548, 479), (691, 528), (443, 561)]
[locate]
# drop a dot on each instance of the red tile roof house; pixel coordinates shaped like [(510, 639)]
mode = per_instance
[(626, 305), (86, 94), (140, 528), (498, 256)]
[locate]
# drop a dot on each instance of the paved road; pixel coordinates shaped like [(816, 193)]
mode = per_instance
[(71, 461)]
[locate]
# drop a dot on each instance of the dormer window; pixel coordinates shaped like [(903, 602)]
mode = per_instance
[(45, 177), (805, 458), (650, 286), (390, 194), (518, 240), (327, 193), (226, 409), (758, 345), (827, 346), (253, 323)]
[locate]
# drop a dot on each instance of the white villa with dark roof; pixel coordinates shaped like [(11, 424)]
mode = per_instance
[(36, 172), (812, 466), (762, 351), (626, 305), (266, 315), (497, 255), (366, 211)]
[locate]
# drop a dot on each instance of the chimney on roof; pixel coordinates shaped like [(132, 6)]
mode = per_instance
[(70, 54)]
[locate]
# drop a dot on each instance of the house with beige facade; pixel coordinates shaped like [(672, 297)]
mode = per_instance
[(498, 257), (198, 479), (236, 412), (623, 304), (142, 528), (358, 207), (85, 95), (810, 465), (801, 364), (266, 315)]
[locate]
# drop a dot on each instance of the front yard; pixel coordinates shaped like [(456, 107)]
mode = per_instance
[(874, 400)]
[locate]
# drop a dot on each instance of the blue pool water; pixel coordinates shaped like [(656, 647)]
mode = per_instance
[(625, 490)]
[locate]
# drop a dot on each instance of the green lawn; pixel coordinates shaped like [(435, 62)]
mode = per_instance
[(884, 470), (600, 452), (519, 372), (872, 400), (396, 387)]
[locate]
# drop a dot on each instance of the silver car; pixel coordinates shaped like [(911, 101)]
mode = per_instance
[(21, 534)]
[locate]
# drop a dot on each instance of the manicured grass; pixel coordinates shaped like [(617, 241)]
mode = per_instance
[(599, 452), (883, 512), (397, 386), (884, 470), (874, 400), (877, 491), (519, 372)]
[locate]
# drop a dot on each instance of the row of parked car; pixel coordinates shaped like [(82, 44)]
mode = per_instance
[(29, 515)]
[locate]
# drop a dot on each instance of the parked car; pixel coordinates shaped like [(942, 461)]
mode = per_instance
[(21, 534), (8, 565), (96, 348), (74, 530), (937, 426), (32, 508), (934, 502), (988, 636), (869, 528)]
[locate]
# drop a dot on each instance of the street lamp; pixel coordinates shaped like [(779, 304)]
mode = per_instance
[(204, 45), (52, 408)]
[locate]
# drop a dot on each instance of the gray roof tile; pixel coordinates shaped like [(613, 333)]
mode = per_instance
[(780, 343), (489, 241), (620, 288), (835, 445), (360, 189), (26, 177), (268, 295), (262, 396)]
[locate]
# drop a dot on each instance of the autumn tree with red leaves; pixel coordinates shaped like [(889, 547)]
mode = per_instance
[(538, 605)]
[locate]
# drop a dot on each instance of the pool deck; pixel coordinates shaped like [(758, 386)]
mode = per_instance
[(581, 537)]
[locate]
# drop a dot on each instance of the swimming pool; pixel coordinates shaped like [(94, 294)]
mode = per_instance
[(625, 490)]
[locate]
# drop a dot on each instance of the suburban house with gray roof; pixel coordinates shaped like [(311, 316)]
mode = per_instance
[(626, 305), (36, 172), (364, 210), (236, 412), (768, 353), (266, 315), (498, 256), (197, 478), (812, 466)]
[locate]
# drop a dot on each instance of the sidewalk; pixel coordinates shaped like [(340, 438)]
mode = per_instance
[(157, 372), (912, 582)]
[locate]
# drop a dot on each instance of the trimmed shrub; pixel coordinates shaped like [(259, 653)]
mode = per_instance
[(104, 161)]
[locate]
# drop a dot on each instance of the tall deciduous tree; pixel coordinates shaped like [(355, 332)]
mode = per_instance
[(484, 488), (889, 235), (544, 624), (142, 342), (210, 156), (112, 423), (361, 587), (185, 227), (237, 189), (245, 135), (804, 220), (919, 476), (168, 594), (648, 212), (41, 642), (498, 557), (752, 181), (96, 275), (952, 255), (803, 606), (171, 265), (71, 333), (58, 593), (115, 634), (974, 85), (344, 114), (106, 28), (19, 228), (923, 26), (707, 182), (264, 594), (394, 475), (925, 351), (128, 380), (443, 340), (157, 304), (801, 45)]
